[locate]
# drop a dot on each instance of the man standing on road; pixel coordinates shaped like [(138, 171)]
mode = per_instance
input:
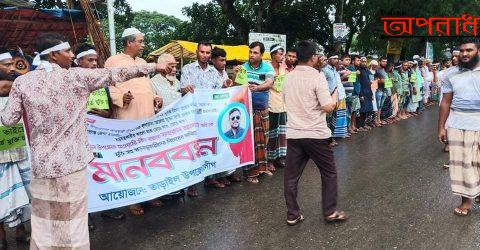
[(307, 101), (459, 124), (133, 99), (53, 97)]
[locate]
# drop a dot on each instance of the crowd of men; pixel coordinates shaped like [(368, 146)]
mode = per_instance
[(323, 96)]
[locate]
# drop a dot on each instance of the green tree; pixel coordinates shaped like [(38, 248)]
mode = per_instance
[(206, 23), (159, 29)]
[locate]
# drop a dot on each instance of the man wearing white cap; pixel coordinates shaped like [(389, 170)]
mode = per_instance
[(134, 99), (53, 99), (98, 104), (14, 165)]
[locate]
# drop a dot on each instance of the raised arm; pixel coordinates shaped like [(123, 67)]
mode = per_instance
[(98, 78)]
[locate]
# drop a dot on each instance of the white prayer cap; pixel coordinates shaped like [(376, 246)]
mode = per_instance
[(374, 62), (130, 32), (416, 57)]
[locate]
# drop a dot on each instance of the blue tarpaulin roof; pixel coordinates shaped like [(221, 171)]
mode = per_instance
[(76, 15)]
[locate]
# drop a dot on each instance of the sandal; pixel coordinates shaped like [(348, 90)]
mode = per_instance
[(155, 203), (212, 183), (477, 199), (252, 180), (267, 173), (296, 221), (136, 210), (461, 211), (271, 167), (224, 181), (192, 192), (234, 178), (338, 216)]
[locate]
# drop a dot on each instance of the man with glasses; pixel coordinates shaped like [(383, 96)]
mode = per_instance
[(133, 99), (235, 130)]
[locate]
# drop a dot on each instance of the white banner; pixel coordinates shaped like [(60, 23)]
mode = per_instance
[(268, 40), (201, 134), (340, 32)]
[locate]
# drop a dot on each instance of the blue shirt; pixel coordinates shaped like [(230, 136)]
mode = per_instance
[(332, 77), (258, 76), (465, 86)]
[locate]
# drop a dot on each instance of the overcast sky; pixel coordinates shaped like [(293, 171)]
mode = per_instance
[(168, 7)]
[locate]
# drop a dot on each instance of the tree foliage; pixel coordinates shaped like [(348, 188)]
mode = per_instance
[(230, 21)]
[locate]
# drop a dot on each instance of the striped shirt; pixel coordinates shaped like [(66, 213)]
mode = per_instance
[(258, 76)]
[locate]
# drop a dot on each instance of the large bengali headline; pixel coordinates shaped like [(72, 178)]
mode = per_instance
[(136, 161)]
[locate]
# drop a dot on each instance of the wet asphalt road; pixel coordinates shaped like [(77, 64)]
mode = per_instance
[(391, 183)]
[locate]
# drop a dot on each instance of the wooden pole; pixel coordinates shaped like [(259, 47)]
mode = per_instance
[(96, 33)]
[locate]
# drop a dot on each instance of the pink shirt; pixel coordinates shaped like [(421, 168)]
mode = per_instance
[(141, 106), (55, 104), (305, 91)]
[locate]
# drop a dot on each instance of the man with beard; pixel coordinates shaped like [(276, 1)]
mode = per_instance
[(14, 167), (167, 85), (366, 94), (353, 100), (53, 97), (459, 124), (134, 99), (290, 59)]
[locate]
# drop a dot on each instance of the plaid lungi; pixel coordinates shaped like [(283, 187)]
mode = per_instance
[(260, 137), (387, 108), (464, 162), (353, 104), (277, 137), (59, 212)]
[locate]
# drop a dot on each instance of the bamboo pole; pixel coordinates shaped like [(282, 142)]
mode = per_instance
[(96, 33)]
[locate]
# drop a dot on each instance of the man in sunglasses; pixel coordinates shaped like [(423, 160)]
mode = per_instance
[(235, 131)]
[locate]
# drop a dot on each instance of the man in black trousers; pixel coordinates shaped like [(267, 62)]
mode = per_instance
[(307, 101)]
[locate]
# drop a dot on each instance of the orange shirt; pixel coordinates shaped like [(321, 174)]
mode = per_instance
[(141, 106)]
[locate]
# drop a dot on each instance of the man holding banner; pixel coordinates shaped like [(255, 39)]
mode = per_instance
[(53, 98), (277, 141), (98, 104), (259, 76), (14, 164), (134, 99)]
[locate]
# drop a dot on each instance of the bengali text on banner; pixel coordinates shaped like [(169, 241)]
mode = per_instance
[(204, 133)]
